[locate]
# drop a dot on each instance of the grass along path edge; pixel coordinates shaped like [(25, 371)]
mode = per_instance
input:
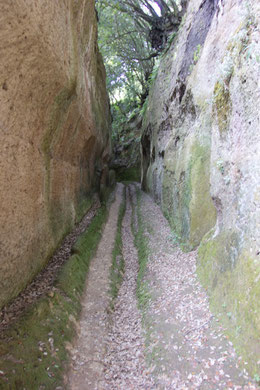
[(33, 351), (118, 264)]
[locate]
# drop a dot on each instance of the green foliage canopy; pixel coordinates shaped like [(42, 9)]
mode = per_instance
[(131, 35)]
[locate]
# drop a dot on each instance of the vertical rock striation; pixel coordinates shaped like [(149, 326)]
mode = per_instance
[(201, 155), (54, 129)]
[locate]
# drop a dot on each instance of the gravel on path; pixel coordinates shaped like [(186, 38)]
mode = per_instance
[(187, 346), (174, 343), (87, 353), (125, 366)]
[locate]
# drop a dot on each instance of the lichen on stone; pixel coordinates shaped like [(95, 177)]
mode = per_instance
[(234, 291), (223, 106), (186, 193), (202, 209)]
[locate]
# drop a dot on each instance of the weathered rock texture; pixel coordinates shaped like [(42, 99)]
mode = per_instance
[(54, 125), (201, 154)]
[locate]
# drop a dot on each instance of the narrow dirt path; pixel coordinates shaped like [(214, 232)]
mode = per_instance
[(125, 366), (174, 343), (87, 354), (186, 346)]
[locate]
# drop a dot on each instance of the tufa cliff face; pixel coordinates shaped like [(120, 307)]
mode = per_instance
[(201, 155), (54, 129)]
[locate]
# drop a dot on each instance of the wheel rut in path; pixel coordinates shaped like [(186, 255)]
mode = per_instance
[(109, 350), (175, 343), (125, 366), (87, 353)]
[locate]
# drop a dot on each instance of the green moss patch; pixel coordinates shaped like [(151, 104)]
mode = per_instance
[(234, 291), (177, 193), (223, 106), (201, 208), (141, 243), (33, 351), (187, 203), (117, 267)]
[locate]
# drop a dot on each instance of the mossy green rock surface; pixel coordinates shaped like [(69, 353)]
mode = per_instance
[(234, 291), (201, 157), (33, 351)]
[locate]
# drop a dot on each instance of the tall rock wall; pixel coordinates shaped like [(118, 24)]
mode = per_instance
[(54, 129), (201, 155)]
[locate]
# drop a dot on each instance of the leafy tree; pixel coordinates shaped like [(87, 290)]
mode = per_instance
[(131, 35)]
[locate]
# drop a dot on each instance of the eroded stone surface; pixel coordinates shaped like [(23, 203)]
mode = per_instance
[(200, 152), (53, 129)]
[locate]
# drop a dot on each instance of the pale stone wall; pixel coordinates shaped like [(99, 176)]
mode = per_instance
[(201, 155), (54, 124)]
